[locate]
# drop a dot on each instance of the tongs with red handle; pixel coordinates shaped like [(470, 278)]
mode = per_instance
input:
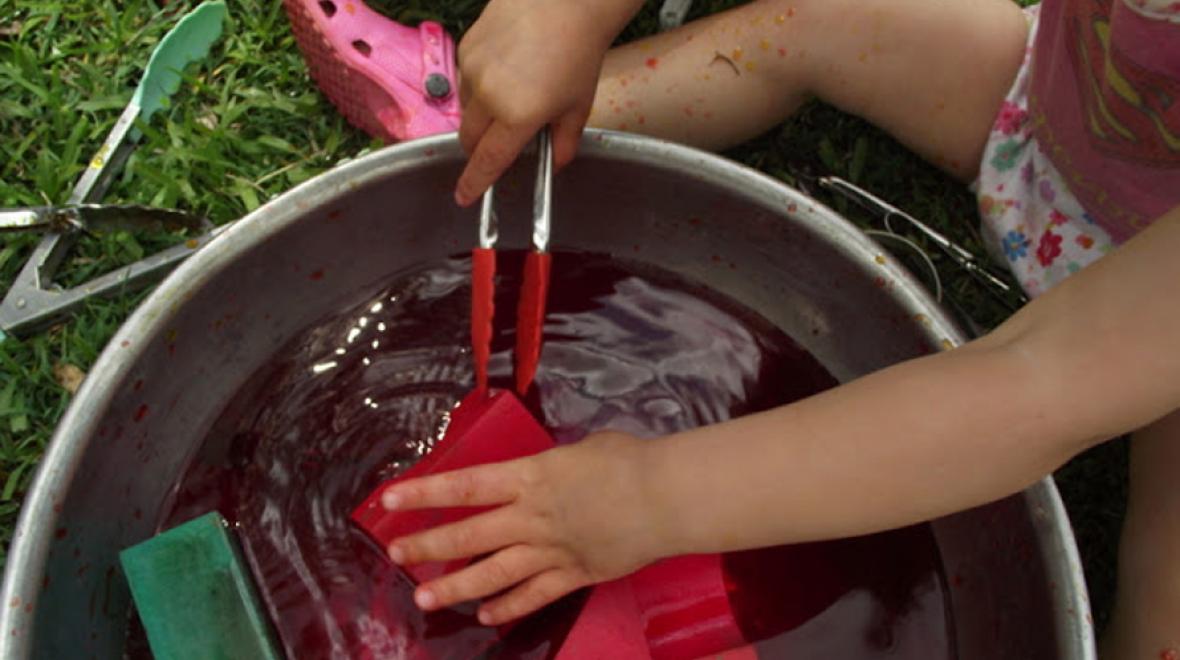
[(530, 311)]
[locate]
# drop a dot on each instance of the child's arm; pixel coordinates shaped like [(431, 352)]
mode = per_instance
[(524, 64), (1096, 357)]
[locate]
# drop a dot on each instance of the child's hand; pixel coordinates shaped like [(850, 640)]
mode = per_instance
[(570, 517), (524, 64)]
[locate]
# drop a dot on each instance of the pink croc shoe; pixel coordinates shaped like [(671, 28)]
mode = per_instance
[(393, 82)]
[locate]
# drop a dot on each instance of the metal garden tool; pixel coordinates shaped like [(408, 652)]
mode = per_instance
[(530, 311), (34, 301), (963, 257), (98, 218)]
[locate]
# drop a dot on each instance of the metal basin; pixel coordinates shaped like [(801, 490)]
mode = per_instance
[(174, 365)]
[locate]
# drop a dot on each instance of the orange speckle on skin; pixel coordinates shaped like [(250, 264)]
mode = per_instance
[(750, 66), (652, 63), (690, 37), (618, 110), (780, 19), (707, 77), (350, 8), (764, 44), (941, 105), (862, 57), (737, 54)]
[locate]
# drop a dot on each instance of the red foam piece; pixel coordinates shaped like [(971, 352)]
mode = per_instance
[(674, 609), (686, 610), (609, 626), (486, 427), (741, 653)]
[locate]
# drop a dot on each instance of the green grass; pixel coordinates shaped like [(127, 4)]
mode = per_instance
[(249, 124)]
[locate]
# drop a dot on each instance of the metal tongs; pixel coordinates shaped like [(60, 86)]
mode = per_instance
[(530, 311)]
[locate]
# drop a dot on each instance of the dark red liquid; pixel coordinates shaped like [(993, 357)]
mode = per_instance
[(362, 395)]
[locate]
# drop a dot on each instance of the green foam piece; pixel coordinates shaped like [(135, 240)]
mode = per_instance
[(195, 596)]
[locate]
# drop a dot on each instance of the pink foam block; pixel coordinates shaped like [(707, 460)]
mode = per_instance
[(609, 626), (486, 427), (685, 606)]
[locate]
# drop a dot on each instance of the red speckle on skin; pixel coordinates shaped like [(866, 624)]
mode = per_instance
[(695, 222), (138, 385), (15, 602), (782, 52), (429, 152), (623, 126), (317, 275), (624, 82), (125, 343), (791, 208), (1169, 654), (708, 115), (688, 110), (618, 110), (652, 63), (732, 266), (60, 533), (790, 11), (690, 37), (716, 258), (879, 282), (632, 103), (141, 413), (635, 247), (171, 350), (957, 580), (137, 514), (58, 508), (335, 215)]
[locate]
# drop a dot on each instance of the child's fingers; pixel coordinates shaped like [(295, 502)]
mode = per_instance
[(567, 132), (492, 575), (537, 592), (474, 536), (475, 123), (494, 153), (484, 485)]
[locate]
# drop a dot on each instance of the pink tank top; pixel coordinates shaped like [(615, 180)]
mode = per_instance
[(1105, 104)]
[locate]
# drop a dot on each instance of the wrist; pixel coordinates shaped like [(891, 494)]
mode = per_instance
[(656, 501)]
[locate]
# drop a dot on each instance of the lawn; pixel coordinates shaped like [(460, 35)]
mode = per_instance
[(248, 124)]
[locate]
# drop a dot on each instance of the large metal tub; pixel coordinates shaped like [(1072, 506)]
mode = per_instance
[(1017, 589)]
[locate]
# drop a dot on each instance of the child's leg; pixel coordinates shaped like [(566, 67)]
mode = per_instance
[(1146, 622), (933, 74)]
